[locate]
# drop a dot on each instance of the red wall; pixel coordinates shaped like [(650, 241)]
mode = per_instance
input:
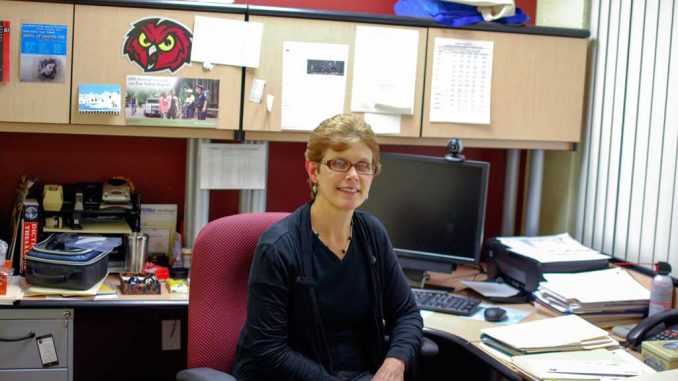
[(157, 165)]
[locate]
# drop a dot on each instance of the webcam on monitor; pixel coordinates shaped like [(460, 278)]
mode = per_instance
[(455, 146)]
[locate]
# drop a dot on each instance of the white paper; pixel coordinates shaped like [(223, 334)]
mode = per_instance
[(491, 289), (269, 102), (159, 221), (158, 239), (609, 285), (383, 123), (551, 248), (257, 90), (461, 84), (313, 83), (232, 166), (550, 333), (228, 42), (385, 70)]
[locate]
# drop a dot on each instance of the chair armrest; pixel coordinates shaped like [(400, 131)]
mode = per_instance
[(203, 374), (429, 348)]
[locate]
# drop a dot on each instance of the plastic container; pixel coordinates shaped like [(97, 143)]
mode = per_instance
[(661, 355), (661, 292)]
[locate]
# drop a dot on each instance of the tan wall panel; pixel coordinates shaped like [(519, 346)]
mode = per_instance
[(278, 30), (99, 34), (32, 101), (537, 88)]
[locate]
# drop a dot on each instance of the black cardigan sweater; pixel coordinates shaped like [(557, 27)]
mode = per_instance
[(283, 337)]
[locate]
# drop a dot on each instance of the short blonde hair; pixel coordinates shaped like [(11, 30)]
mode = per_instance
[(337, 133)]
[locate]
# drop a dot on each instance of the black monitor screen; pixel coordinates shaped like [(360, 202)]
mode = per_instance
[(433, 209)]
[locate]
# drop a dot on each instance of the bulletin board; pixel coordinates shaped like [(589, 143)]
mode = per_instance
[(277, 30), (99, 35), (537, 90), (44, 101)]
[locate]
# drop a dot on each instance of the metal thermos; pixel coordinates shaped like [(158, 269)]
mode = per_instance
[(137, 249)]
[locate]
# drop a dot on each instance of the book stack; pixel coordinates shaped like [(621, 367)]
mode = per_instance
[(558, 334), (605, 297)]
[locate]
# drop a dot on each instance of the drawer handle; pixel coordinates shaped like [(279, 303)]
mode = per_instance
[(29, 336)]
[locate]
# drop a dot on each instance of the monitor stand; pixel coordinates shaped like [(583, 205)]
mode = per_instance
[(416, 278)]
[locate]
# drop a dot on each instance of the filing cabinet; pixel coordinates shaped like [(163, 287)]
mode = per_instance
[(20, 359)]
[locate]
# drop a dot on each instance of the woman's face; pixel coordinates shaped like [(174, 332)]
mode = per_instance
[(342, 190)]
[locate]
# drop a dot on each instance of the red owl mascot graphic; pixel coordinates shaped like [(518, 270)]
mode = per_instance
[(157, 44)]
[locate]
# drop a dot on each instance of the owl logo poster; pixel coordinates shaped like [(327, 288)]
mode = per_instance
[(156, 44)]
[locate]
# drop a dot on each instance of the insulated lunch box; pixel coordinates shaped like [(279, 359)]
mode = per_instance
[(49, 264)]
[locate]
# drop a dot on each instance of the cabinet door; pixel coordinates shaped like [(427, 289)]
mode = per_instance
[(277, 31), (34, 374), (24, 354), (45, 101), (99, 35), (537, 88)]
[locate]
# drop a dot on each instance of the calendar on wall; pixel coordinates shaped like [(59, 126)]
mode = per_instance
[(462, 81)]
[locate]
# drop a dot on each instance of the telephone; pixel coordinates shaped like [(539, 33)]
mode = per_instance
[(660, 326)]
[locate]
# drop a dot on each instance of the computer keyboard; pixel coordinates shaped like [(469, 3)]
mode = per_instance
[(441, 301)]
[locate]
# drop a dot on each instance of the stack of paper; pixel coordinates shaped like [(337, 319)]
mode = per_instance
[(607, 296), (564, 333), (597, 364), (551, 248)]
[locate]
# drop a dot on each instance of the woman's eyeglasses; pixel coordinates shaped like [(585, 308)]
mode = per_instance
[(341, 165)]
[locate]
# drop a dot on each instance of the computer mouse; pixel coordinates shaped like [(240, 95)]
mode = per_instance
[(495, 314)]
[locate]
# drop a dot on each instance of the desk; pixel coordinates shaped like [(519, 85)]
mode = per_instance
[(460, 336), (114, 338)]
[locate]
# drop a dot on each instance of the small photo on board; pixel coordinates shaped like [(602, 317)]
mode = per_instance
[(171, 101), (325, 67), (102, 99)]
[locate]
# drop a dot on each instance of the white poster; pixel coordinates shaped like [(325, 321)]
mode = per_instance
[(313, 83), (461, 85), (385, 70), (232, 166), (228, 42)]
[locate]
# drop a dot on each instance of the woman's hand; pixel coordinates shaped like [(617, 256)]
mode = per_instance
[(392, 369)]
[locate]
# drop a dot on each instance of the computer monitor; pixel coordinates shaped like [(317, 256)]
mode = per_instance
[(433, 210)]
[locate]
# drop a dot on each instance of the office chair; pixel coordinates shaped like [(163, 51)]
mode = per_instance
[(217, 308)]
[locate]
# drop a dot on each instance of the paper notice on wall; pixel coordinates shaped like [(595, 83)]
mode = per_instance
[(313, 83), (228, 42), (383, 123), (232, 166), (385, 70), (461, 84)]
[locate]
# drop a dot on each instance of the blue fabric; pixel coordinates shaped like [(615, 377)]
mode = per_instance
[(451, 14)]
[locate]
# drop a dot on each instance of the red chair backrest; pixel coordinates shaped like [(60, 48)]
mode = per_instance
[(220, 268)]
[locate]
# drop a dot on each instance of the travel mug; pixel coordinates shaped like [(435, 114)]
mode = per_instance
[(137, 248)]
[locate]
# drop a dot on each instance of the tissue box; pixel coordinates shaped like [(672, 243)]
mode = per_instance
[(661, 354), (139, 283)]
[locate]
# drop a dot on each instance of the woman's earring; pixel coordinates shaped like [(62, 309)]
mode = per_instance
[(314, 189)]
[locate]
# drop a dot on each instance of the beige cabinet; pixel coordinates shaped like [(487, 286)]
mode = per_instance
[(98, 59), (276, 31), (537, 94), (19, 355), (43, 101)]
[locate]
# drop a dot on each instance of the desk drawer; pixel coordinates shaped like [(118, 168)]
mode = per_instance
[(34, 375), (24, 354)]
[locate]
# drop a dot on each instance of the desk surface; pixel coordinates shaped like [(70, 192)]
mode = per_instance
[(16, 299)]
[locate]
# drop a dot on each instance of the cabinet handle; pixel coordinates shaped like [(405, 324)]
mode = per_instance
[(29, 336)]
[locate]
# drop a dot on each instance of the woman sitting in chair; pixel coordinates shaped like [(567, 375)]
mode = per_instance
[(325, 288)]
